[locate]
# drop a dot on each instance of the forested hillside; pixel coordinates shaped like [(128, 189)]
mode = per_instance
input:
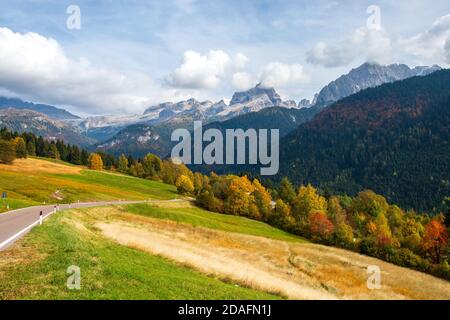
[(393, 139)]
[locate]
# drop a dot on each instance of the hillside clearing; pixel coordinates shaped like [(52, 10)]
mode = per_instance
[(186, 212), (35, 268), (35, 181), (115, 247), (36, 166), (294, 269)]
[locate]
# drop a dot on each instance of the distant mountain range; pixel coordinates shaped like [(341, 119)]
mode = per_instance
[(50, 111), (132, 135), (368, 75), (23, 120), (104, 128), (379, 127), (393, 139), (150, 131)]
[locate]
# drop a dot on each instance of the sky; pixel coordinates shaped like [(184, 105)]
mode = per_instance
[(116, 56)]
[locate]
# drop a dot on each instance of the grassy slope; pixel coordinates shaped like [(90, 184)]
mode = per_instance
[(199, 217), (30, 182), (36, 269)]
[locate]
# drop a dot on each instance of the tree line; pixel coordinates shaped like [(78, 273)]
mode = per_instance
[(21, 145), (366, 223)]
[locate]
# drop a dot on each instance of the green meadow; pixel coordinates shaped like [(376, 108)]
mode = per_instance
[(37, 269), (34, 181), (202, 218)]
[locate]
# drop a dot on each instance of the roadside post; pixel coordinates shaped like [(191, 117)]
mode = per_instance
[(40, 218), (4, 196)]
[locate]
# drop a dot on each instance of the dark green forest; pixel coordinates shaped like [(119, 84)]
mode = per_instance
[(393, 139)]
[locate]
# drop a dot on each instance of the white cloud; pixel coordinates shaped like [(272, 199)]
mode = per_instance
[(432, 43), (277, 74), (205, 71), (367, 44), (37, 68), (274, 75), (240, 61), (447, 51), (243, 81), (331, 56)]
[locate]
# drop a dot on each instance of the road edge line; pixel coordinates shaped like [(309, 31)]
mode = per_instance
[(12, 238)]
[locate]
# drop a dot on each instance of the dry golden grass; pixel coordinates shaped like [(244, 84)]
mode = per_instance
[(34, 166), (173, 204), (294, 270)]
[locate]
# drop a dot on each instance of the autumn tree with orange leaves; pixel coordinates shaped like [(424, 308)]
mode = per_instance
[(320, 224), (435, 239)]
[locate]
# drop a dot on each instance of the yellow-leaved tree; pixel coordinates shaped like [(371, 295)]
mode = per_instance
[(20, 147), (263, 201), (95, 162), (184, 185), (239, 198), (308, 201)]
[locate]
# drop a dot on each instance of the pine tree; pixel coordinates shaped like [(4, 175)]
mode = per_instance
[(31, 148), (447, 213), (123, 164), (84, 157), (131, 160), (286, 191), (7, 152), (108, 161), (53, 151), (63, 150), (75, 155), (40, 147)]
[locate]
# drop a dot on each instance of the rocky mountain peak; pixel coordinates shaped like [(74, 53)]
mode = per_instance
[(254, 93), (368, 75)]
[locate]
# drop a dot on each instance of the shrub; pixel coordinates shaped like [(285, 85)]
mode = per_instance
[(407, 258)]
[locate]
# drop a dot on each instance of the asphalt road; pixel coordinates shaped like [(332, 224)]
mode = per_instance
[(15, 224)]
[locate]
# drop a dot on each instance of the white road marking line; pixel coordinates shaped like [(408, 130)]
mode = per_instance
[(76, 205), (7, 241)]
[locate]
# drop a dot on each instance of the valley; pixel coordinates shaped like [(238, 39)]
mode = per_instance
[(164, 249), (234, 158)]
